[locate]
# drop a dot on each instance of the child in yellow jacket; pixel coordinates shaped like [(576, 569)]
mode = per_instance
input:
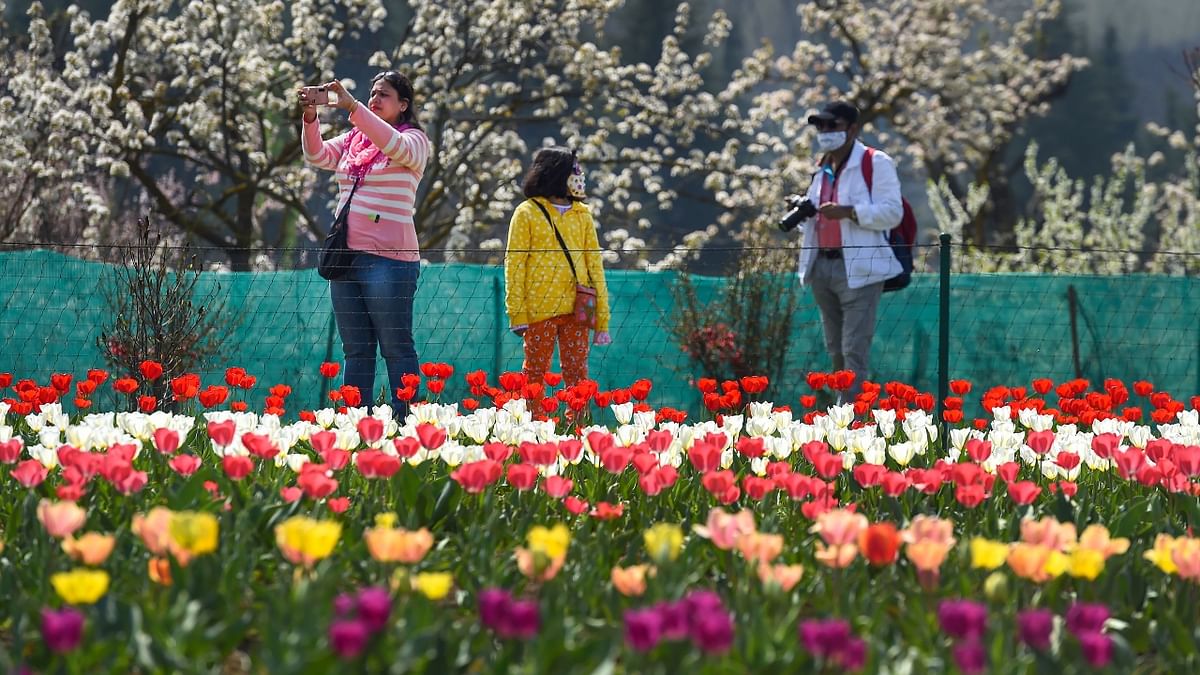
[(539, 281)]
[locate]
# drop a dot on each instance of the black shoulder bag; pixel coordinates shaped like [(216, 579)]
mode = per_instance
[(337, 257), (585, 296)]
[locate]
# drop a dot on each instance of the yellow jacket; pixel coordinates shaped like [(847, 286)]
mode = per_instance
[(537, 278)]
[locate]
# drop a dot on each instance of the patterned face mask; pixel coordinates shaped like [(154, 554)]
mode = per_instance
[(576, 186)]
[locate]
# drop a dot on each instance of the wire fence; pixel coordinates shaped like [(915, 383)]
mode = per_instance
[(1007, 329)]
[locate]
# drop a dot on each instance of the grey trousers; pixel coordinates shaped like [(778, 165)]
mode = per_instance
[(848, 317)]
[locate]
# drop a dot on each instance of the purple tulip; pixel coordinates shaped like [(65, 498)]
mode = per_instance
[(970, 657), (825, 638), (1086, 617), (345, 605), (962, 619), (674, 619), (374, 607), (348, 637), (1097, 648), (522, 620), (712, 632), (62, 630), (1034, 627), (493, 606), (643, 628), (854, 655)]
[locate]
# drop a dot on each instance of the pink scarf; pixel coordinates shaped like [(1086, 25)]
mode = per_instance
[(362, 153)]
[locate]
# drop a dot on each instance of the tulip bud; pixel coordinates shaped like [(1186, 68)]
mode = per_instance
[(995, 587)]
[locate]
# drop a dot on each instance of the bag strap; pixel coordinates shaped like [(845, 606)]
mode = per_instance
[(558, 236), (868, 168), (345, 213)]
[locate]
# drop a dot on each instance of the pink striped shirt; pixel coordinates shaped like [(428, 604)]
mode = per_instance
[(381, 215)]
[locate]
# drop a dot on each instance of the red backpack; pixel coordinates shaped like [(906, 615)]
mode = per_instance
[(901, 237)]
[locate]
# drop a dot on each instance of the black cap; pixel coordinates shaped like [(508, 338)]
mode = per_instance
[(838, 110)]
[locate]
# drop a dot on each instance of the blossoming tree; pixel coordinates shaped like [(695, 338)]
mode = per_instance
[(193, 104)]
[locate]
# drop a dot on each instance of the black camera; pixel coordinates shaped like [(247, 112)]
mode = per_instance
[(802, 209)]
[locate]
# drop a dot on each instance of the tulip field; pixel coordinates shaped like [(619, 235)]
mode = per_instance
[(535, 527)]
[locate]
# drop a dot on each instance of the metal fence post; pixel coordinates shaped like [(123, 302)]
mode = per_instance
[(943, 328)]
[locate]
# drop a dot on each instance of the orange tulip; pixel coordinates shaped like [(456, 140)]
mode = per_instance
[(1049, 533), (880, 543), (1186, 556), (159, 571), (631, 581), (784, 576), (760, 547), (387, 544), (1029, 561), (1096, 538), (90, 549), (538, 566)]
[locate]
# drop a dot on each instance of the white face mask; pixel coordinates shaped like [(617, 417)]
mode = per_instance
[(828, 141)]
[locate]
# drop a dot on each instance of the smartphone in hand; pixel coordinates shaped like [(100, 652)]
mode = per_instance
[(318, 95)]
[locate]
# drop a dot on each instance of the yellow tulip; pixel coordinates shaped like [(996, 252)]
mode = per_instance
[(988, 554), (194, 532), (1056, 563), (1160, 555), (433, 585), (1085, 563), (663, 542), (549, 541), (303, 540), (80, 586)]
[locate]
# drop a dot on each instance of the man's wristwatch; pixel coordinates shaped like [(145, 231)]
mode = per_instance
[(853, 214)]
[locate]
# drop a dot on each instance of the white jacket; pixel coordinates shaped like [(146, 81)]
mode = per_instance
[(865, 250)]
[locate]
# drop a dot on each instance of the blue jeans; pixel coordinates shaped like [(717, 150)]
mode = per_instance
[(374, 306)]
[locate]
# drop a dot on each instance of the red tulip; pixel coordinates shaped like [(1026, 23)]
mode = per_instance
[(705, 457), (221, 433), (166, 440), (151, 370), (557, 486), (474, 477), (1128, 462), (30, 473), (751, 447), (10, 450), (575, 505), (718, 482), (868, 475), (979, 450), (432, 437), (1040, 441), (370, 429), (1024, 492), (970, 496), (316, 484), (259, 445), (237, 467), (1008, 471), (185, 465), (522, 476), (756, 487), (376, 464)]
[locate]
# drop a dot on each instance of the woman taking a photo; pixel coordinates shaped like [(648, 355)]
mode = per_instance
[(378, 164), (552, 252)]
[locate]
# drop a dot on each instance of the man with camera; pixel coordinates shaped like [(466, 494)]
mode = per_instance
[(845, 257)]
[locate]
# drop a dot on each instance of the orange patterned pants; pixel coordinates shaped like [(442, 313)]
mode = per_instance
[(572, 339)]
